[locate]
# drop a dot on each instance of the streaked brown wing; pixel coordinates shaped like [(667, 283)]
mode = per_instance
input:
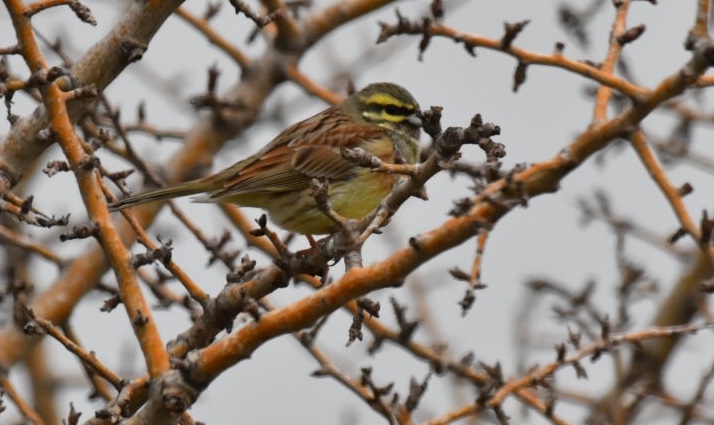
[(318, 154), (270, 172), (285, 167)]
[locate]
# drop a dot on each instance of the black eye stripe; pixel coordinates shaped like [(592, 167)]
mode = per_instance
[(391, 109)]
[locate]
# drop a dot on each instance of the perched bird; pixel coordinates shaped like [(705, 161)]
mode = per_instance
[(381, 119)]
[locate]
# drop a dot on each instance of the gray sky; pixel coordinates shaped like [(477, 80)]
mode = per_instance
[(544, 240)]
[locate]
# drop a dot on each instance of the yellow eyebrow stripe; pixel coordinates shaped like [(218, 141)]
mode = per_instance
[(385, 99)]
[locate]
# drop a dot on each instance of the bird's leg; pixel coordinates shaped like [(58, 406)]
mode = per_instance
[(310, 261), (311, 241)]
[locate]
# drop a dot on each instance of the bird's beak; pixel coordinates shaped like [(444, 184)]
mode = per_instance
[(414, 120)]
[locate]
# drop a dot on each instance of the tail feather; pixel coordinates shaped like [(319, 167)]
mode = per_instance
[(183, 189)]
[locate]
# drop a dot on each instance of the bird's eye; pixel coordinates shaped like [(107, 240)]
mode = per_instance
[(393, 110)]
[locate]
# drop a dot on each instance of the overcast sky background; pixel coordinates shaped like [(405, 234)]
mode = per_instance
[(543, 240)]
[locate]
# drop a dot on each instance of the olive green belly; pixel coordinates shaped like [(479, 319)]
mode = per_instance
[(351, 199)]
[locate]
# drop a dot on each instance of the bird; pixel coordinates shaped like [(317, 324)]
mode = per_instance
[(382, 119)]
